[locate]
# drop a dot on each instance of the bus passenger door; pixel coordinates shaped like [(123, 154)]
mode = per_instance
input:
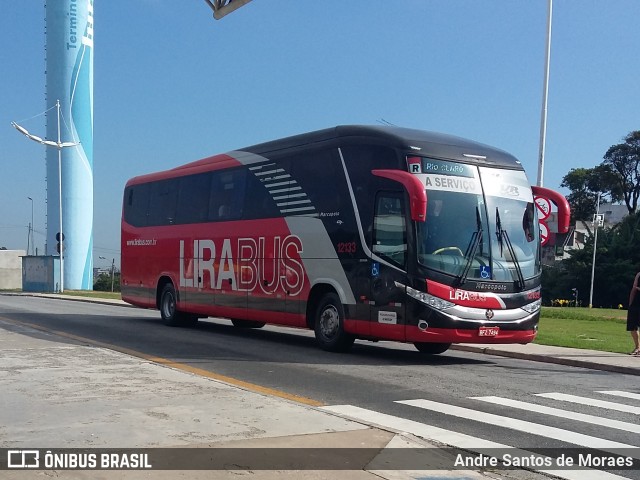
[(389, 243)]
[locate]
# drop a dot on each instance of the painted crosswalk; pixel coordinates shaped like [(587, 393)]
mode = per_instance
[(592, 402), (617, 393), (545, 427), (558, 412), (555, 433)]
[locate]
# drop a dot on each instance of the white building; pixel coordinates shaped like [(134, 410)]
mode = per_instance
[(11, 269), (611, 215)]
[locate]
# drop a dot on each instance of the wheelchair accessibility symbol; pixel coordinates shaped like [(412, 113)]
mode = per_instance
[(375, 269), (485, 271)]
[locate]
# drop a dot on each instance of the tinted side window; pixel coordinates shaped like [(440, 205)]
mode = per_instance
[(360, 160), (162, 203), (136, 205), (389, 228), (193, 198), (266, 185), (226, 201), (321, 178)]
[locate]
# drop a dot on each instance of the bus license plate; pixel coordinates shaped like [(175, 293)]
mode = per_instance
[(489, 331)]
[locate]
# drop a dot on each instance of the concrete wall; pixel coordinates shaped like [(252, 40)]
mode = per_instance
[(11, 269), (41, 274)]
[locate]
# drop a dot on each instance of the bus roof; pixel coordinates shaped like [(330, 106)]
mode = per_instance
[(419, 142)]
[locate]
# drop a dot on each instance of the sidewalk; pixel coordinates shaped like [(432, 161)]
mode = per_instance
[(574, 357)]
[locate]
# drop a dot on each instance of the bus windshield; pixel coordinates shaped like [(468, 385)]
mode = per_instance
[(481, 224)]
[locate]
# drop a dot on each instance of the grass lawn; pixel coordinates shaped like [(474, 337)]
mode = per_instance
[(590, 328), (94, 294)]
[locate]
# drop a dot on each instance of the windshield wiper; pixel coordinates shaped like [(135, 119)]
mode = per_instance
[(470, 254), (503, 235)]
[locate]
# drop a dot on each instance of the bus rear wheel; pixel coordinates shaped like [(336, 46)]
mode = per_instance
[(432, 348), (329, 325), (169, 311)]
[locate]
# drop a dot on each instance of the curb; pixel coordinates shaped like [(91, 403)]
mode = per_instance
[(71, 298), (549, 359)]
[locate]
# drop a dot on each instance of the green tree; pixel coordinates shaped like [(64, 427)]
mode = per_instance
[(623, 161), (103, 283), (583, 197), (617, 179), (617, 261)]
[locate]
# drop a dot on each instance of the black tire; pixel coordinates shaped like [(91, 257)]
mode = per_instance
[(247, 323), (432, 348), (169, 309), (329, 325)]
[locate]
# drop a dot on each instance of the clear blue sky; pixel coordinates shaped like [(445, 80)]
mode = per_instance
[(172, 85)]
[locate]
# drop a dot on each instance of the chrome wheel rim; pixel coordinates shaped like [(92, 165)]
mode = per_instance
[(168, 305), (329, 321)]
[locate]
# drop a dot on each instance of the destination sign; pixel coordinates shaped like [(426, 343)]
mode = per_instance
[(442, 167)]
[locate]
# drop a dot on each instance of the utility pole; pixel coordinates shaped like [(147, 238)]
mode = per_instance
[(113, 264), (596, 224), (545, 93), (59, 145), (30, 244)]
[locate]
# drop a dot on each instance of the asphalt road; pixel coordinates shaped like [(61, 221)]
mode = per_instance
[(373, 376)]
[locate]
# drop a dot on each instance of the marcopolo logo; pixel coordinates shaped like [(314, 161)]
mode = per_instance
[(23, 458)]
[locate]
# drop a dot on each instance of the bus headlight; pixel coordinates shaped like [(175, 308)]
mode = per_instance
[(532, 307), (430, 300)]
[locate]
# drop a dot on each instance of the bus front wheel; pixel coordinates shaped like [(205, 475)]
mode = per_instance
[(432, 348), (169, 311), (329, 325)]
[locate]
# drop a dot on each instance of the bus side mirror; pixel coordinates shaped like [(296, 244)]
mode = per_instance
[(564, 211), (413, 186)]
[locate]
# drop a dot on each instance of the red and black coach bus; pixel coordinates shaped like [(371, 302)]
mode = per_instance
[(370, 232)]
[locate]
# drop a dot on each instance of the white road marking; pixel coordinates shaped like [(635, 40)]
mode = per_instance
[(557, 412), (455, 439), (564, 397), (618, 393), (520, 425)]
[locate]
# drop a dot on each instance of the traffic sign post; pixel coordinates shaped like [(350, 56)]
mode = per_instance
[(544, 207), (595, 246), (60, 244), (598, 219), (544, 234)]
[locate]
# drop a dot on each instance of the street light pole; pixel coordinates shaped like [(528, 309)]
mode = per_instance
[(113, 264), (595, 244), (30, 235), (59, 145), (224, 7), (60, 202), (545, 93)]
